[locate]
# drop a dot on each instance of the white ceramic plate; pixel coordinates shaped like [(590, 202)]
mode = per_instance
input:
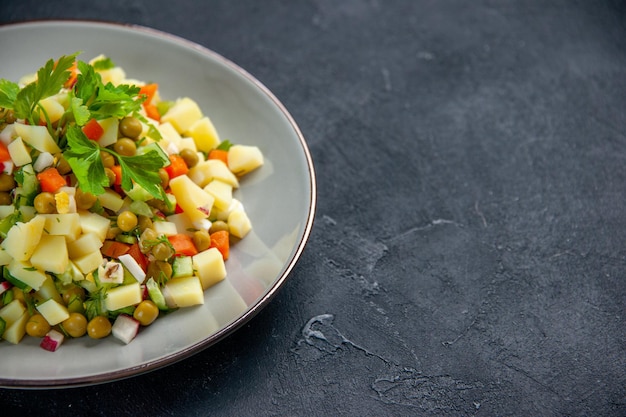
[(279, 198)]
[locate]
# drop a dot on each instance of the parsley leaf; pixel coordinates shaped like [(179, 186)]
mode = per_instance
[(80, 111), (224, 145), (103, 64), (8, 93), (144, 170), (50, 79), (83, 155)]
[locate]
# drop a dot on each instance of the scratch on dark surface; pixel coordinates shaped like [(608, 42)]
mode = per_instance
[(429, 225), (386, 79), (480, 214), (320, 333)]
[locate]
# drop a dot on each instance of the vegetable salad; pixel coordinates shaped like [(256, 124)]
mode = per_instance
[(116, 206)]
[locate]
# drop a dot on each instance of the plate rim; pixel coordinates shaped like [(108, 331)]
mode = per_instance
[(270, 292)]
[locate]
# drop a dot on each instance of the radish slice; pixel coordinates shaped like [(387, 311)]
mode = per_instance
[(125, 328), (4, 285), (52, 341), (133, 267)]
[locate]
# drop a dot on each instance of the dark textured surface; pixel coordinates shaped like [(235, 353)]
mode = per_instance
[(468, 255)]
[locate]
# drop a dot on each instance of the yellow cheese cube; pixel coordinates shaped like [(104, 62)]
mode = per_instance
[(53, 311), (209, 266), (51, 254), (123, 296)]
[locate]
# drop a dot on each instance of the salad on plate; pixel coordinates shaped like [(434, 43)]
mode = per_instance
[(117, 206)]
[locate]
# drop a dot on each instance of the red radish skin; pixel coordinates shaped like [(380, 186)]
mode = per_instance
[(52, 341)]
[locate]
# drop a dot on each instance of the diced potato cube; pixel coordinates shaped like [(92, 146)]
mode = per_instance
[(54, 110), (110, 127), (169, 134), (212, 169), (19, 152), (16, 331), (243, 159), (221, 192), (239, 224), (209, 266), (182, 223), (11, 312), (23, 238), (25, 272), (123, 296), (164, 228), (53, 311), (194, 201), (94, 223), (5, 258), (111, 200), (51, 254), (90, 262), (67, 225), (84, 245), (204, 134), (48, 290), (38, 137), (187, 143), (185, 291), (183, 114)]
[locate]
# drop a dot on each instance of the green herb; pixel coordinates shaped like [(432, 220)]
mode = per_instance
[(224, 145), (8, 93), (83, 155), (50, 80), (103, 64), (94, 305)]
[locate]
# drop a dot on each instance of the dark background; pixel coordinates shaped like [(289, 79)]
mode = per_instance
[(468, 255)]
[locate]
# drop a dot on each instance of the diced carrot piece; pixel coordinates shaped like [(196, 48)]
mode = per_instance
[(114, 249), (220, 154), (148, 90), (117, 170), (73, 76), (4, 153), (141, 259), (152, 112), (50, 180), (183, 245), (93, 130), (220, 241), (177, 166)]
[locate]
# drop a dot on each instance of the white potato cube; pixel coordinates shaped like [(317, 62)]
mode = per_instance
[(212, 169), (89, 263), (111, 200), (38, 137), (16, 331), (239, 224), (123, 296), (204, 134), (209, 266), (94, 223), (23, 238), (26, 273), (110, 127), (53, 311), (183, 114), (54, 110), (194, 201), (184, 291), (67, 225), (20, 154), (164, 228), (51, 254), (11, 312), (84, 245), (221, 192), (243, 159)]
